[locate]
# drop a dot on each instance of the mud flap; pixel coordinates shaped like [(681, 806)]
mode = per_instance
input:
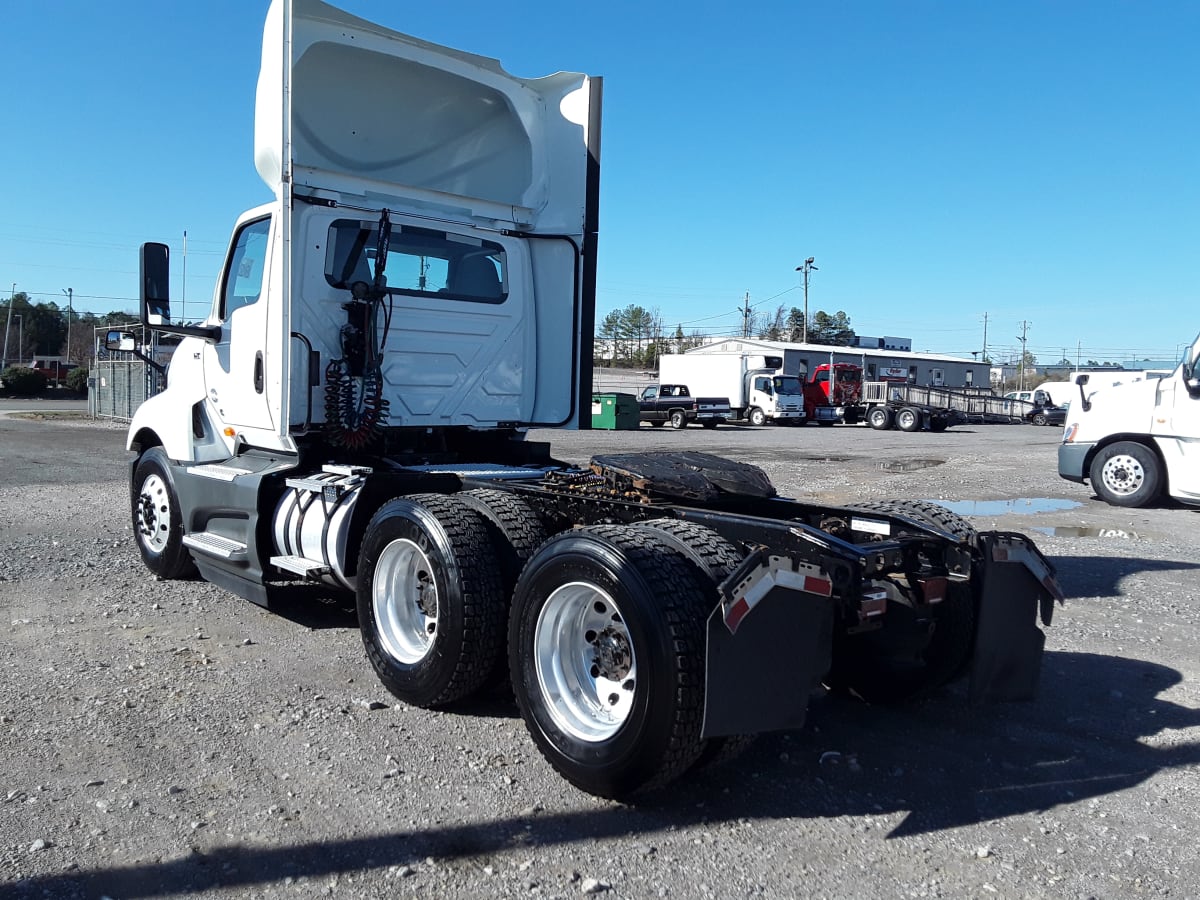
[(765, 660), (1018, 587)]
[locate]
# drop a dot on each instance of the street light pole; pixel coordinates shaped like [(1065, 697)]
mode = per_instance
[(70, 292), (806, 268), (7, 324)]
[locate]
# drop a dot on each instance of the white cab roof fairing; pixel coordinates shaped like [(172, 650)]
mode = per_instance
[(349, 107)]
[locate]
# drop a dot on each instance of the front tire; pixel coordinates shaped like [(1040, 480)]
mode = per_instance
[(758, 417), (157, 518), (430, 602), (678, 419), (606, 647), (1126, 474)]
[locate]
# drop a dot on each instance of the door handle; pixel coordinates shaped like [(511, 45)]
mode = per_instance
[(258, 372)]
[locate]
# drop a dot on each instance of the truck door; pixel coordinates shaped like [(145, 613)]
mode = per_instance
[(1177, 426), (236, 369)]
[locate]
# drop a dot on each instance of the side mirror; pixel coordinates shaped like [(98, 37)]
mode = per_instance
[(120, 341), (156, 278), (1082, 380)]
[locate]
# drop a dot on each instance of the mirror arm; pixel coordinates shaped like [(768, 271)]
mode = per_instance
[(207, 332)]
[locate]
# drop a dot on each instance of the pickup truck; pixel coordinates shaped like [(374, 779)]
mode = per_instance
[(56, 372), (662, 403)]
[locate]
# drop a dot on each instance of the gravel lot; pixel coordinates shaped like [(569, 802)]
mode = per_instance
[(167, 739)]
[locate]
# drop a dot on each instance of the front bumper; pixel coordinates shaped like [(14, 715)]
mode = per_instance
[(1072, 459)]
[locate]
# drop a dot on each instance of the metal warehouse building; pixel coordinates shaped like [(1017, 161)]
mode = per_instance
[(928, 369)]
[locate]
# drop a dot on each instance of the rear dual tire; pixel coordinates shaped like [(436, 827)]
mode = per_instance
[(431, 604), (606, 649)]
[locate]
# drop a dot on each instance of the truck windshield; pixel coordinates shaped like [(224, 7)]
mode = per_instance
[(787, 386), (421, 262)]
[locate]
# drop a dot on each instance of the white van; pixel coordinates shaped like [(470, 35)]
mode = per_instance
[(1138, 440), (1061, 393)]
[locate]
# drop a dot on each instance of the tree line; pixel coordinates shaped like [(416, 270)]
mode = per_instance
[(40, 329), (634, 337)]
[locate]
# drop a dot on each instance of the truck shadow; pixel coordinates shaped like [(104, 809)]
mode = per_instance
[(1098, 726), (1100, 576), (315, 606), (939, 764)]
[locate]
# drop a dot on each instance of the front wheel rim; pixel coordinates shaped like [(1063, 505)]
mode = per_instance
[(154, 514), (404, 597), (1123, 475), (586, 669)]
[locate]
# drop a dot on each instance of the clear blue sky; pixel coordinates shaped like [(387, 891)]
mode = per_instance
[(1031, 161)]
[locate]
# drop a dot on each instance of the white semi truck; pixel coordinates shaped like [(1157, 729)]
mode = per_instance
[(353, 412), (757, 389), (1138, 440)]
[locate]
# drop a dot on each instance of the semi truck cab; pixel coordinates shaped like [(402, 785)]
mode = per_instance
[(426, 262), (1137, 441)]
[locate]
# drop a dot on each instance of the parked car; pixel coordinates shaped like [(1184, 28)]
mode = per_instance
[(1047, 415)]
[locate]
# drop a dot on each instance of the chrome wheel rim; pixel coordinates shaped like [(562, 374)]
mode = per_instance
[(154, 514), (1123, 474), (404, 598), (586, 668)]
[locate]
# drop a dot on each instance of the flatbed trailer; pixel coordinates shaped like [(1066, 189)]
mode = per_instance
[(911, 407)]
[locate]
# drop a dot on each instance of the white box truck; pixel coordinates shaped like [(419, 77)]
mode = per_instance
[(1139, 440), (757, 389)]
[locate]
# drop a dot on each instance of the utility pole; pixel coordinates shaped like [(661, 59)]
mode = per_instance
[(1022, 338), (746, 316), (183, 283), (70, 292), (806, 268), (983, 355), (8, 324)]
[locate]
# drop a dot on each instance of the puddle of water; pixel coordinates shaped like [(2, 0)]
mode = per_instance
[(1086, 531), (1000, 507), (909, 465)]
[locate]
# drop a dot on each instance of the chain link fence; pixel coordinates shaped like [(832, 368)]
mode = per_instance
[(120, 382)]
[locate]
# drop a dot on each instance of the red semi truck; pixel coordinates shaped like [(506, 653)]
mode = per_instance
[(833, 393)]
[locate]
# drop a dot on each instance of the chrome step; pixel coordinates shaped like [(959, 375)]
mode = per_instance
[(217, 471), (301, 565), (215, 545)]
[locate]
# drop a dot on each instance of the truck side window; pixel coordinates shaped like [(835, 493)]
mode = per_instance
[(244, 277), (422, 262)]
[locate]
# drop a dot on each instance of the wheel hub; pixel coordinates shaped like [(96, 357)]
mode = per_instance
[(585, 659), (1123, 474), (614, 656), (404, 597), (153, 514)]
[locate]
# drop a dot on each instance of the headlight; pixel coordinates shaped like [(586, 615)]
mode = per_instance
[(1069, 434)]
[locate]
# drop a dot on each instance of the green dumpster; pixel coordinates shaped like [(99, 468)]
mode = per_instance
[(615, 412)]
